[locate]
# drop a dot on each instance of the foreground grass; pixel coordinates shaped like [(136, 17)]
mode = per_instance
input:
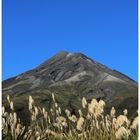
[(90, 124)]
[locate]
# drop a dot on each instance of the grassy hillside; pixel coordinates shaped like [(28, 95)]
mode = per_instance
[(90, 123)]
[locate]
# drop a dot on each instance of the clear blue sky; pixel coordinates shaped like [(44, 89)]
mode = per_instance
[(35, 30)]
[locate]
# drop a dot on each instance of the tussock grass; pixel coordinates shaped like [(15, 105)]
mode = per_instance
[(90, 124)]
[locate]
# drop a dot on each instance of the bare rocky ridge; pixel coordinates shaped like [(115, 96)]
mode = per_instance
[(70, 76)]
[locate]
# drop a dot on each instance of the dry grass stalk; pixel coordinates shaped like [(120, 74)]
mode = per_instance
[(53, 124)]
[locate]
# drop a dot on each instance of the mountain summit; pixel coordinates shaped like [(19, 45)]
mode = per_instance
[(71, 76)]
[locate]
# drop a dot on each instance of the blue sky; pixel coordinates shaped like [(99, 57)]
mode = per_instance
[(35, 30)]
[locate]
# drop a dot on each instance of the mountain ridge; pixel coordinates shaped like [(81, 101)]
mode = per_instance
[(70, 76), (82, 55)]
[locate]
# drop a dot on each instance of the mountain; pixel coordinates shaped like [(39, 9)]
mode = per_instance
[(71, 76)]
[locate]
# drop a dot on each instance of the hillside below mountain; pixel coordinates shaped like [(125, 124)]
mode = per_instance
[(71, 76)]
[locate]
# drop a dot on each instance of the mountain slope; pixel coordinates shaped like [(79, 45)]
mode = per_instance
[(70, 76)]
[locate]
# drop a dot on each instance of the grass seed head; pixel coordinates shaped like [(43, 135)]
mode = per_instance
[(80, 112), (15, 118), (80, 123), (121, 120), (36, 111), (92, 106), (84, 102), (53, 97), (122, 132), (3, 110), (31, 102), (125, 112), (134, 123), (8, 99), (112, 112), (12, 105), (101, 103), (68, 113), (59, 110), (73, 118)]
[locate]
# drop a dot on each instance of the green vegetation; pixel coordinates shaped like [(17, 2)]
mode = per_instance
[(89, 124)]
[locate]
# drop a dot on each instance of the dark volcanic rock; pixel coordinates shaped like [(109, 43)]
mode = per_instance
[(70, 76)]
